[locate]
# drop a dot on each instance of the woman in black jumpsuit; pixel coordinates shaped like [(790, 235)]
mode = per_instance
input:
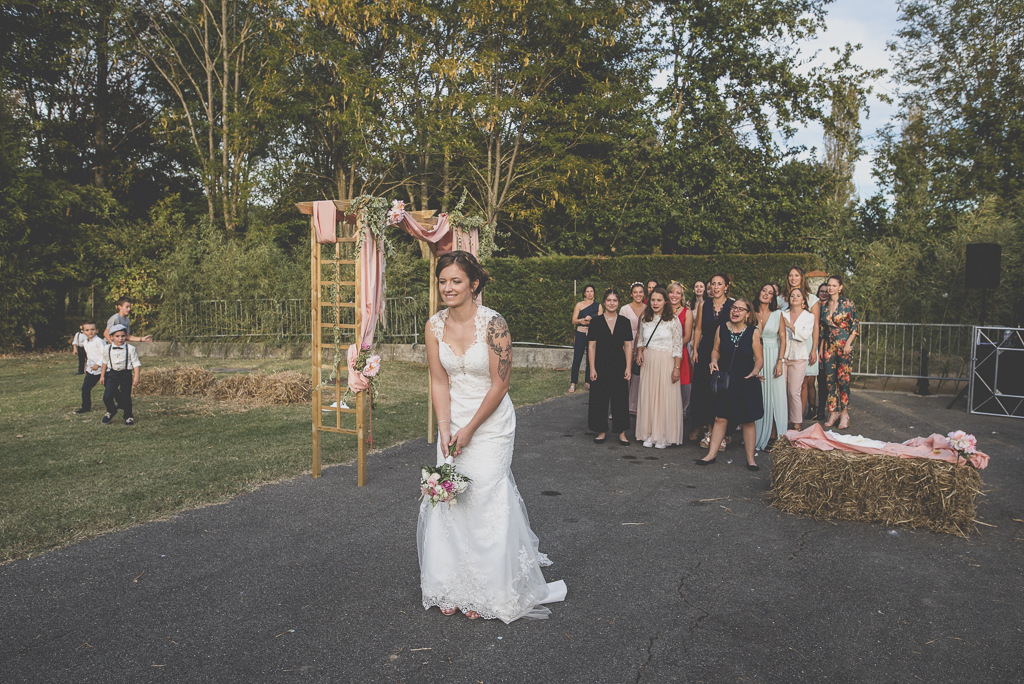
[(610, 342)]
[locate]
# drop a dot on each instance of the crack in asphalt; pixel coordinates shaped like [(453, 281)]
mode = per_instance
[(803, 542), (657, 635)]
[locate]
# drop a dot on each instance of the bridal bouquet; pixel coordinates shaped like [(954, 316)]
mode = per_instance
[(964, 444), (442, 484)]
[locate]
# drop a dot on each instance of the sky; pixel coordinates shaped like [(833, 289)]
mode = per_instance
[(871, 23)]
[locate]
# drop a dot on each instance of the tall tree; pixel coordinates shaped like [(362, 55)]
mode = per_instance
[(960, 66), (218, 64)]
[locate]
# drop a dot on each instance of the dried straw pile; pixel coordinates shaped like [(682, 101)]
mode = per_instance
[(288, 387), (916, 492), (180, 381)]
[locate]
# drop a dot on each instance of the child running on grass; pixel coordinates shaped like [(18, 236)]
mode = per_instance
[(78, 346), (120, 372), (94, 348)]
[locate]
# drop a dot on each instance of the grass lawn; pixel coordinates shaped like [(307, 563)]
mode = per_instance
[(67, 477)]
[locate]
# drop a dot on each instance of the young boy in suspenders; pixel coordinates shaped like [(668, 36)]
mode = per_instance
[(120, 372)]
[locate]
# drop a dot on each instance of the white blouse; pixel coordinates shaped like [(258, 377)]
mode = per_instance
[(667, 337), (804, 329)]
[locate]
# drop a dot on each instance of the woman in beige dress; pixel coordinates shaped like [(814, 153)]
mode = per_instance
[(659, 417)]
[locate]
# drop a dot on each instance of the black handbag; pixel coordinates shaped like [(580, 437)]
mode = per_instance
[(720, 378)]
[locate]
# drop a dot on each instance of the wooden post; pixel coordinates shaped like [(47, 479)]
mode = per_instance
[(358, 341), (315, 352), (432, 307)]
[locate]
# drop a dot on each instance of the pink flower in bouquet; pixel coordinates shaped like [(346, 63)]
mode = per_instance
[(372, 366), (448, 485), (396, 210)]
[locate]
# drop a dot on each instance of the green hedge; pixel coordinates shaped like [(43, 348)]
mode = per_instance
[(535, 295)]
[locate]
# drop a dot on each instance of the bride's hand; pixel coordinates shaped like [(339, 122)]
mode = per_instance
[(461, 440), (444, 436)]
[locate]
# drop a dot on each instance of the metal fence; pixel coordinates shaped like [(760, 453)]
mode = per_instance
[(277, 319), (929, 351)]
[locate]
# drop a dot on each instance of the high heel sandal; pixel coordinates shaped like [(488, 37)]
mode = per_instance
[(844, 422), (832, 420), (572, 388)]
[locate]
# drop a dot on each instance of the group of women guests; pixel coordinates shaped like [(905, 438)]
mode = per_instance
[(722, 362)]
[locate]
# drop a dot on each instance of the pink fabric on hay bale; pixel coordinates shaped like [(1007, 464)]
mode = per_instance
[(935, 447)]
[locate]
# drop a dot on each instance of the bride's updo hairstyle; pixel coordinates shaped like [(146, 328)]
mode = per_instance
[(468, 264)]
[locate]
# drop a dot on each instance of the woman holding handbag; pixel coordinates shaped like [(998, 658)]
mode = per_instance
[(736, 381), (659, 416)]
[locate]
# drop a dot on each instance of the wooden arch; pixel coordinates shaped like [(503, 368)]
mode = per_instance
[(336, 307)]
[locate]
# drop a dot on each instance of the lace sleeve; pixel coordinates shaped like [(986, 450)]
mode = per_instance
[(436, 323), (677, 338)]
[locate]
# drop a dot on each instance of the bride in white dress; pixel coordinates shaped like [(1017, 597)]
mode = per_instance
[(479, 556)]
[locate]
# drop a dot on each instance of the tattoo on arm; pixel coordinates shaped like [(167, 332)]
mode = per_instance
[(500, 341)]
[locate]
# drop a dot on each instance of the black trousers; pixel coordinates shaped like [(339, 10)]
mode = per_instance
[(81, 360), (579, 348), (609, 389), (88, 382), (118, 393)]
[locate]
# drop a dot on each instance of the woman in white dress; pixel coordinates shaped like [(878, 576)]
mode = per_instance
[(799, 328), (479, 556), (659, 415)]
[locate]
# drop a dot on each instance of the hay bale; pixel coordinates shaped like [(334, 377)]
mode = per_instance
[(915, 492), (288, 387), (179, 381), (192, 381), (156, 382)]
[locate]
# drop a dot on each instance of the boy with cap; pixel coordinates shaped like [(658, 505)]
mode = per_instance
[(94, 348), (120, 372)]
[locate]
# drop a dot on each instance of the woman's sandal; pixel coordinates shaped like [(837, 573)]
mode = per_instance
[(472, 614), (844, 422), (832, 420), (448, 611), (572, 388)]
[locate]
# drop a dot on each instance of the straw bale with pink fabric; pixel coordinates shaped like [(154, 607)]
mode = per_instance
[(876, 488)]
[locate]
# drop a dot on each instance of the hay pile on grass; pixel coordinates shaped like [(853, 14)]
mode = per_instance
[(288, 387), (180, 381), (915, 492)]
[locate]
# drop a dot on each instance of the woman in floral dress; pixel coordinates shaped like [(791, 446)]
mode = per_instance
[(839, 327)]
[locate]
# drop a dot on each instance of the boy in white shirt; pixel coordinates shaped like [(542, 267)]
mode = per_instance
[(119, 373), (93, 348), (78, 346)]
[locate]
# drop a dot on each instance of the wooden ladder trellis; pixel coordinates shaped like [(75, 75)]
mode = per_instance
[(336, 306)]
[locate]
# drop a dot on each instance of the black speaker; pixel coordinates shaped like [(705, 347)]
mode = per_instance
[(983, 265)]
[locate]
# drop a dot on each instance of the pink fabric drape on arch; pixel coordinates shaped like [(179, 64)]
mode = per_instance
[(325, 222), (935, 447)]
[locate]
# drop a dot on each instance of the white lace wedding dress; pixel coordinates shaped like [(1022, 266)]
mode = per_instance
[(480, 554)]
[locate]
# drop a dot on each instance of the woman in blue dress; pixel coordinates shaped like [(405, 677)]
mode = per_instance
[(773, 386)]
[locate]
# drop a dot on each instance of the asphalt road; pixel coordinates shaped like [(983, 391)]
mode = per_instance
[(675, 574)]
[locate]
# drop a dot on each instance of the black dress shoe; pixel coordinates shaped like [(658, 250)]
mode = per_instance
[(754, 467), (83, 410), (702, 462), (599, 440)]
